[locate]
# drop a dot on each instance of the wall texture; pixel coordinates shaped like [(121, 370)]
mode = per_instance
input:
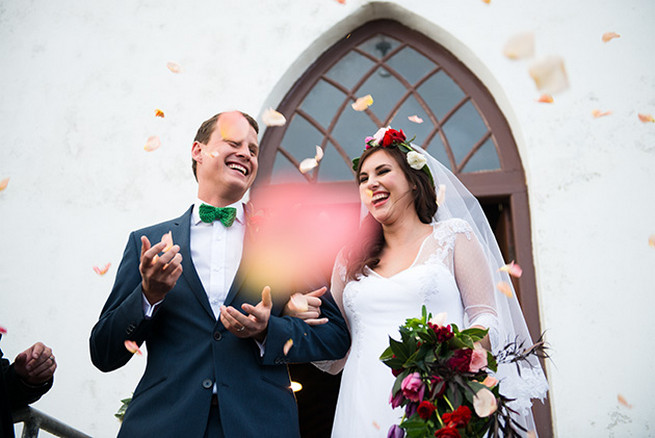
[(81, 81)]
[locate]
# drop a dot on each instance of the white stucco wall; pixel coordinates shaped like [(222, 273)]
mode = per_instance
[(80, 82)]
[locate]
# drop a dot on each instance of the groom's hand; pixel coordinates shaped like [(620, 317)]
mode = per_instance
[(253, 325), (159, 274)]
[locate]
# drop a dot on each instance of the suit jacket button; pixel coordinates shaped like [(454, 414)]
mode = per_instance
[(207, 383), (218, 336)]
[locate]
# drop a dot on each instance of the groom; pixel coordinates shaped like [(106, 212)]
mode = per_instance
[(216, 346)]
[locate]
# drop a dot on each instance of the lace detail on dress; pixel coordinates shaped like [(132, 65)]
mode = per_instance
[(440, 248), (353, 322)]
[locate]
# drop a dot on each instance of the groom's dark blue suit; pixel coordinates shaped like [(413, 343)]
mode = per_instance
[(189, 351)]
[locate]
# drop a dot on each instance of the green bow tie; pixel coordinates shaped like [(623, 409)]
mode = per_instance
[(209, 214)]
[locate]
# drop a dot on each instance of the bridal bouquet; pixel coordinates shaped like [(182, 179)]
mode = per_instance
[(443, 380)]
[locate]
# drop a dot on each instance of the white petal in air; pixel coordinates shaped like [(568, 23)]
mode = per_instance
[(363, 103), (549, 74), (270, 117), (153, 143), (519, 46)]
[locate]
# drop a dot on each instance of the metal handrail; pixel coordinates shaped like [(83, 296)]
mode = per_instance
[(35, 420)]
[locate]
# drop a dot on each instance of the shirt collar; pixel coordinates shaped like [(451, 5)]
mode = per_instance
[(195, 215)]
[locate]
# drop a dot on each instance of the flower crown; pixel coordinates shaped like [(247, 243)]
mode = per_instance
[(388, 138)]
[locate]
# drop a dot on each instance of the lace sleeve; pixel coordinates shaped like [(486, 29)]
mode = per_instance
[(337, 283), (475, 284)]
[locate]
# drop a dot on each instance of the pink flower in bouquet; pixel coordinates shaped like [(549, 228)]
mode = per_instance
[(396, 400), (461, 360), (478, 359), (425, 409), (460, 417), (413, 387), (447, 432)]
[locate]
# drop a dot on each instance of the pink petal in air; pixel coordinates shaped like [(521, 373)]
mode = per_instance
[(3, 184), (512, 269), (608, 36), (598, 113), (505, 288), (623, 401), (646, 118), (174, 67), (133, 348), (545, 98), (415, 119), (103, 270), (651, 240), (362, 103), (3, 331), (152, 144)]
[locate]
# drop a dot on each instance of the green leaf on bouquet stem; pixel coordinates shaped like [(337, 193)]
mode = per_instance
[(386, 355), (491, 362), (399, 349), (416, 428), (475, 333)]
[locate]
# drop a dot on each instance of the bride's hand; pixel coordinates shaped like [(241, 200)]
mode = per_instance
[(306, 306)]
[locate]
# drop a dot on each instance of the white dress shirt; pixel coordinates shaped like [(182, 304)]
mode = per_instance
[(216, 254)]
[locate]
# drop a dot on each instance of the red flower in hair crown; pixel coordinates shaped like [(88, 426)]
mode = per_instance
[(388, 138)]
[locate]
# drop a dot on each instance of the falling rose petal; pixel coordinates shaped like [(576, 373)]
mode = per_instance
[(174, 67), (519, 46), (3, 184), (623, 401), (343, 2), (102, 271), (608, 36), (549, 74), (484, 403), (287, 346), (646, 118), (415, 119), (376, 426), (159, 113), (598, 113), (3, 331), (441, 194), (270, 117), (298, 303), (369, 193), (307, 164), (545, 98), (505, 288), (133, 348), (152, 144), (651, 240), (490, 381), (362, 103), (512, 269), (486, 1)]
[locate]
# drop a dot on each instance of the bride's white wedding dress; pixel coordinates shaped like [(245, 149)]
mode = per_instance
[(448, 275)]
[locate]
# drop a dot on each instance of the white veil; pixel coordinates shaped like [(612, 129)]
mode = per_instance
[(520, 384)]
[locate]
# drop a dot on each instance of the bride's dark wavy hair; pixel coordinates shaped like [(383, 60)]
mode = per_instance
[(366, 249)]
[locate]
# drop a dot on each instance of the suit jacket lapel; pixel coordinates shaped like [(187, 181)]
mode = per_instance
[(182, 236)]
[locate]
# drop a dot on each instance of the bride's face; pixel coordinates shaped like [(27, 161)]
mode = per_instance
[(384, 188)]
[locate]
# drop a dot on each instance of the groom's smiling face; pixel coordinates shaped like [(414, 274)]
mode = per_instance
[(228, 162)]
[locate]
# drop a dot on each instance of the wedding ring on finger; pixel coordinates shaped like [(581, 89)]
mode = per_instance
[(52, 358), (240, 329)]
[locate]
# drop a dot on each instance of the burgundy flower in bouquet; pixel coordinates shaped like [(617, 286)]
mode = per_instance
[(444, 381)]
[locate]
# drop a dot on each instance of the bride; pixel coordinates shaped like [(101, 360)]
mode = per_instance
[(416, 250)]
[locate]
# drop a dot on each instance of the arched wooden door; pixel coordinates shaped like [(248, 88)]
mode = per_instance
[(407, 74)]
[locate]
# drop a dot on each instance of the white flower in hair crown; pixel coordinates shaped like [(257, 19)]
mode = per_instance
[(388, 138)]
